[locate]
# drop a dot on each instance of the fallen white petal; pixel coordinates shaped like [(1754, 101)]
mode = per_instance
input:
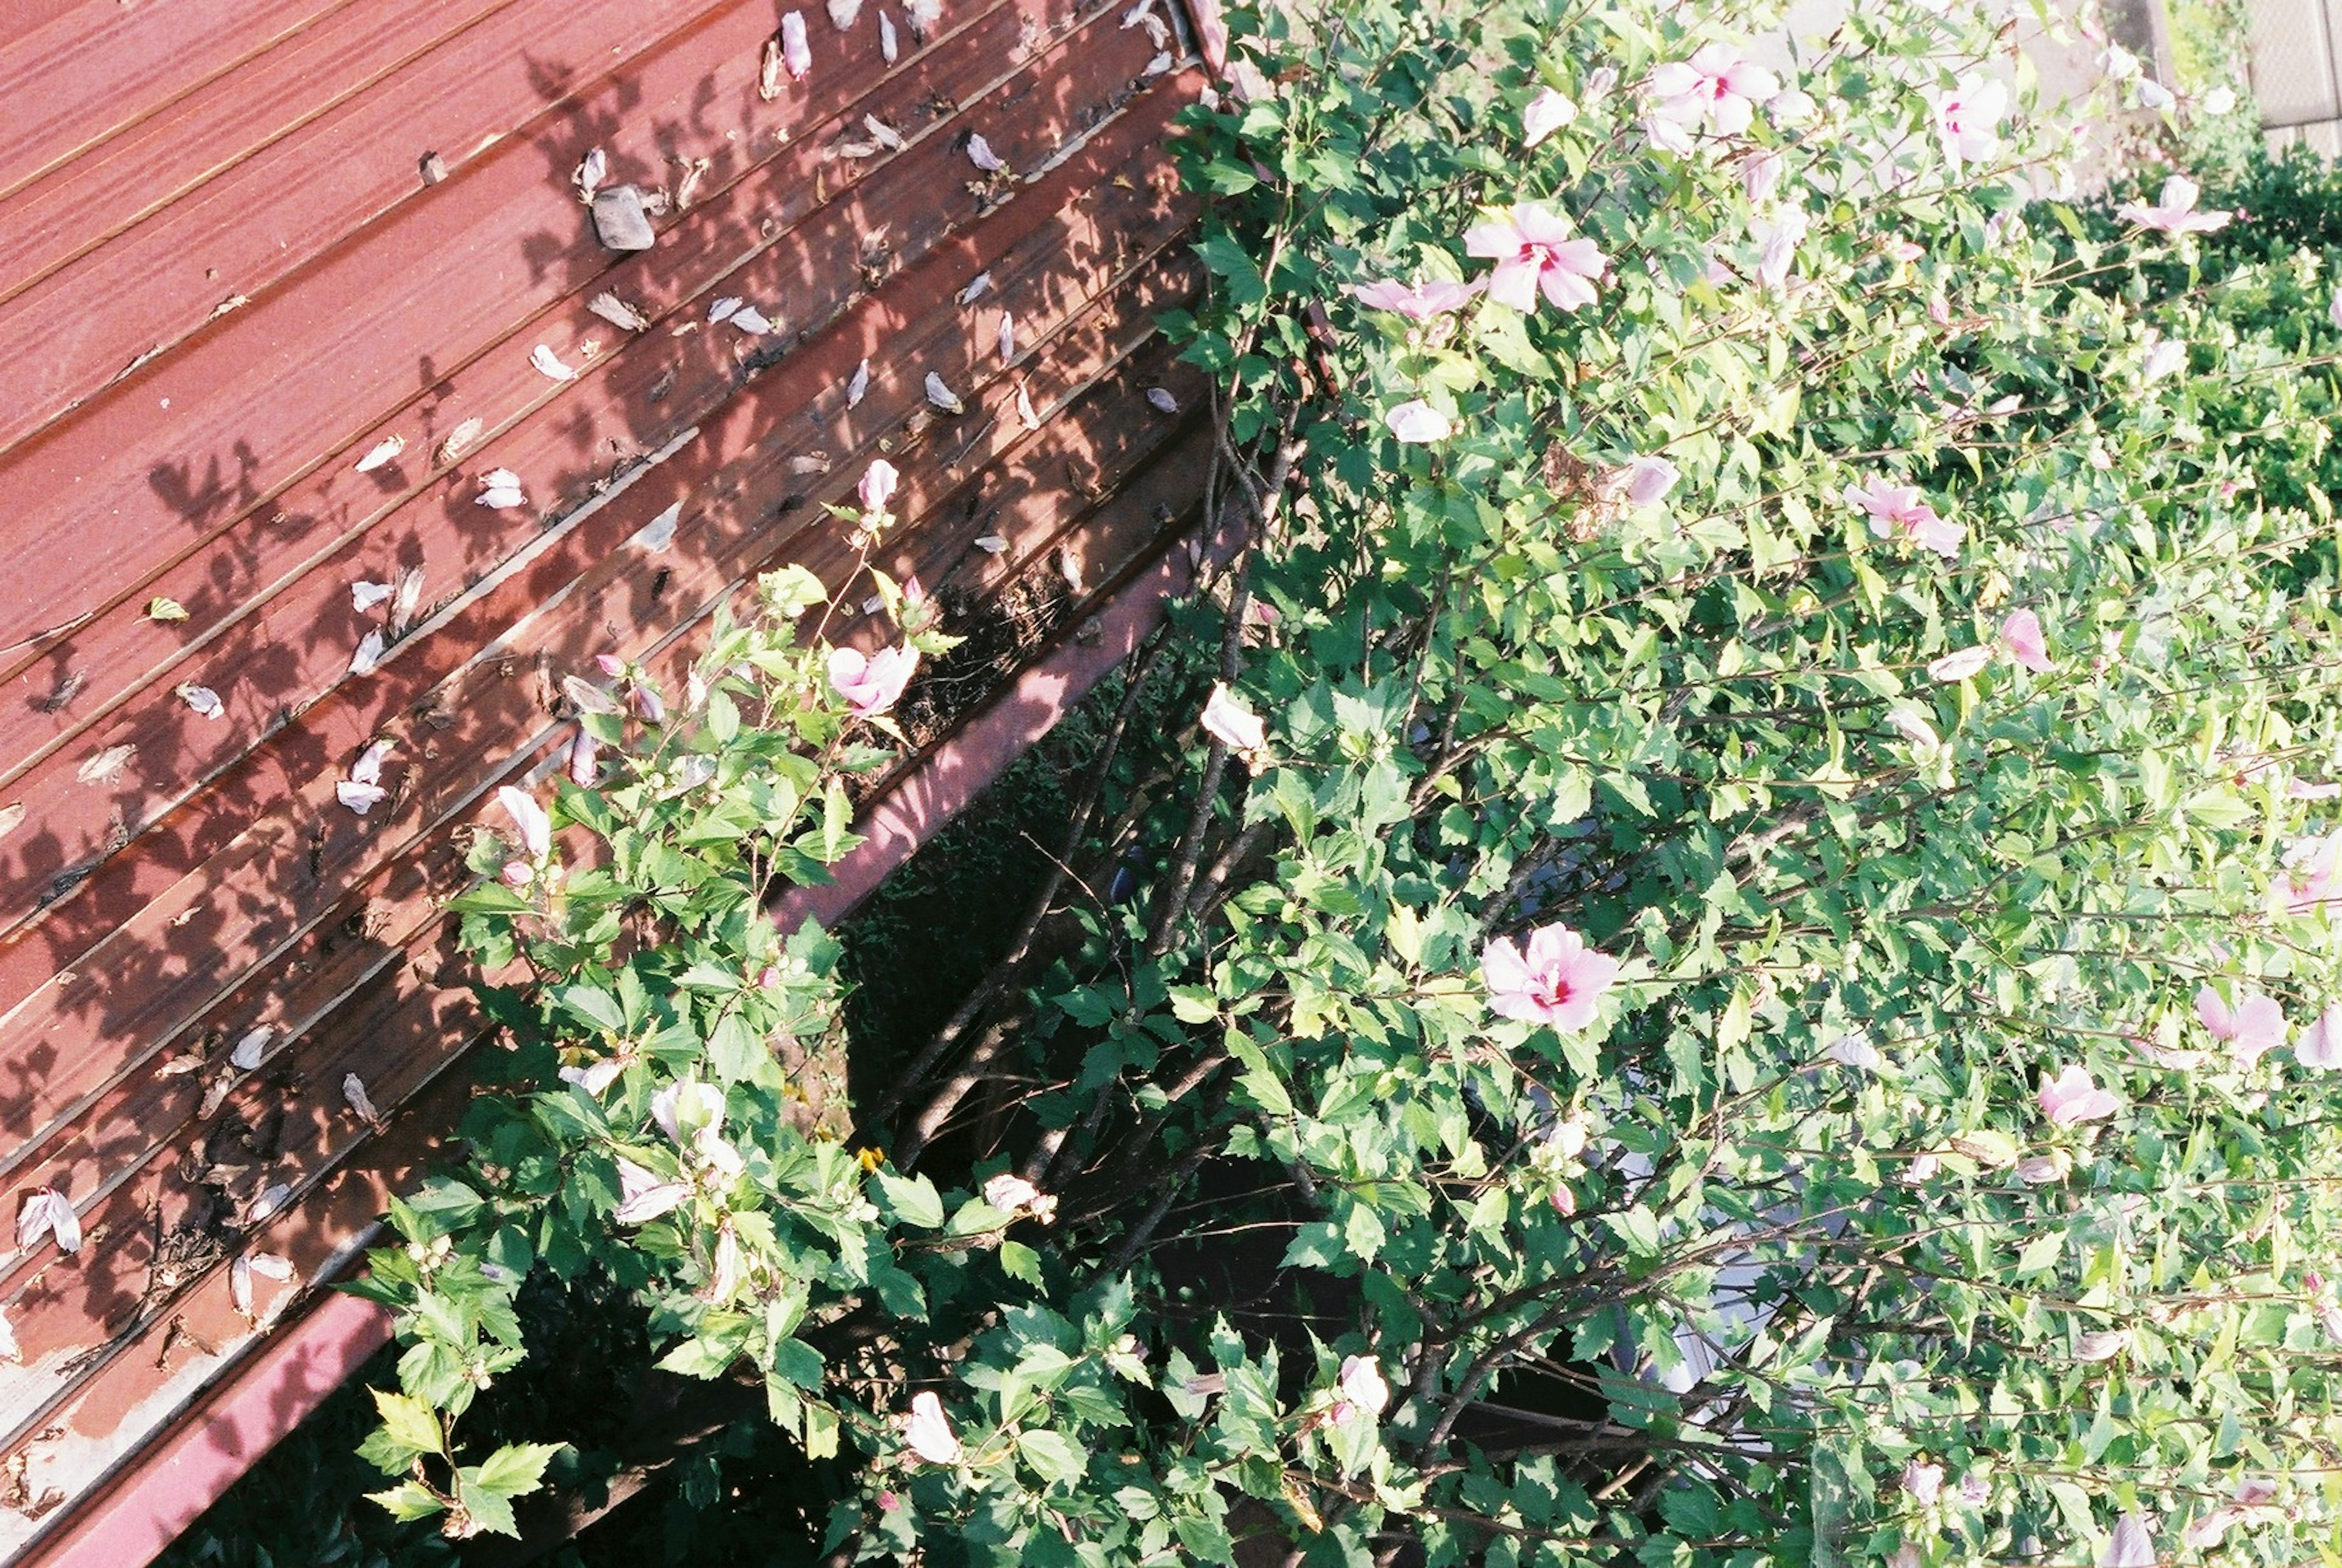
[(942, 396), (239, 1285), (1007, 338), (980, 153), (975, 289), (887, 44), (360, 798), (923, 16), (549, 362), (203, 699), (247, 1054), (1161, 399), (842, 13), (460, 439), (592, 170), (354, 1090), (1159, 65), (858, 386), (104, 766), (501, 497), (382, 452), (725, 309), (402, 607), (367, 769), (1024, 410), (364, 597), (617, 312), (796, 52), (659, 533), (991, 543), (9, 1350), (368, 656), (884, 135), (266, 1202), (269, 1266), (751, 320)]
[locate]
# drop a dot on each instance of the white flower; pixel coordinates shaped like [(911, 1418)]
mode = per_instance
[(1009, 1194), (1547, 112), (2166, 356), (1855, 1050), (1418, 423), (927, 1432), (1362, 1385), (2219, 101), (1226, 719), (1959, 666)]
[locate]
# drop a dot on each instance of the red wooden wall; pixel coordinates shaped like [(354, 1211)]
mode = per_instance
[(245, 243)]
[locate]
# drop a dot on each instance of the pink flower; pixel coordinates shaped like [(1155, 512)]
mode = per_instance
[(2131, 1544), (2072, 1097), (1547, 112), (1760, 173), (643, 1197), (1923, 1483), (1532, 249), (1649, 480), (1418, 424), (1716, 87), (1559, 981), (870, 684), (1967, 119), (2252, 1028), (2320, 1044), (2021, 640), (1897, 509), (584, 751), (536, 828), (2175, 213), (877, 487), (1900, 250), (928, 1432), (1418, 301), (1227, 720)]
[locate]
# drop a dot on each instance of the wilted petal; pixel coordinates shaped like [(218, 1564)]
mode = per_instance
[(367, 657), (941, 395), (536, 828), (387, 450), (1959, 666), (550, 364), (1162, 399), (354, 1090), (2130, 1545), (980, 153), (644, 1197), (203, 699), (877, 487), (1546, 112)]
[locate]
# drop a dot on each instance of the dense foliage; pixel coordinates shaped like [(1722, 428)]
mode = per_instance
[(1737, 969)]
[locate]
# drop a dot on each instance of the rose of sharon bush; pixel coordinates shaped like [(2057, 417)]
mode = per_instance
[(1687, 1049)]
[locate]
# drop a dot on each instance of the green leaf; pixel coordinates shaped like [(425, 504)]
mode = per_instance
[(913, 1199), (516, 1468), (1019, 1262), (407, 1502), (1054, 1457), (411, 1423)]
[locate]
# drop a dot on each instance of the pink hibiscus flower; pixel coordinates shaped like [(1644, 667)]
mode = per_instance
[(1716, 88), (1534, 249), (871, 683), (2174, 212), (1558, 980), (1897, 509), (2021, 640), (2074, 1096), (2252, 1028), (1417, 301), (2320, 1045)]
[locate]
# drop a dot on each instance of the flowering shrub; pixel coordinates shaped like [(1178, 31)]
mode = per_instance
[(1738, 967)]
